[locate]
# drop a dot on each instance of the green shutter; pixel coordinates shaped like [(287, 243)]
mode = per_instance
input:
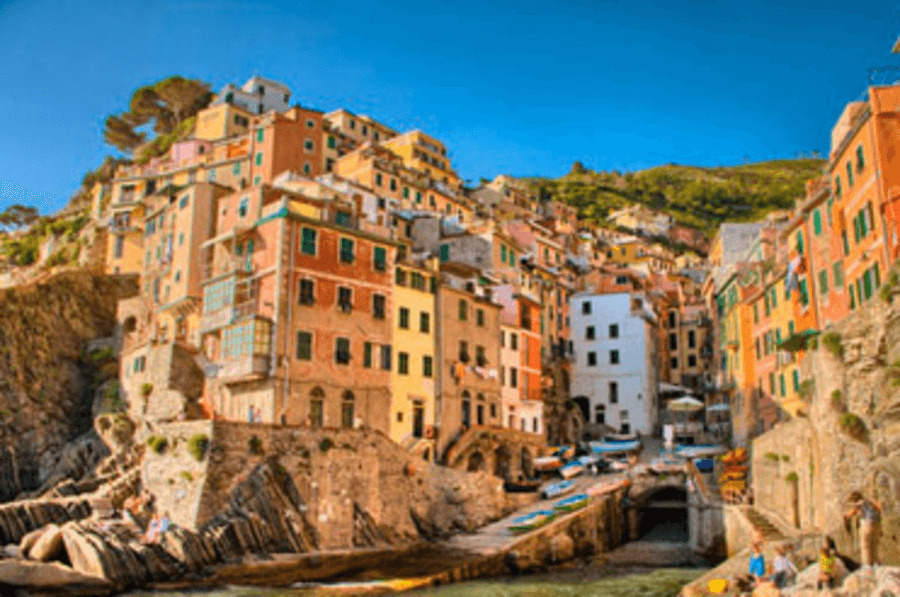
[(502, 253), (781, 384), (877, 275), (259, 158), (367, 355), (823, 282), (796, 378), (849, 174), (837, 274), (800, 242), (771, 383), (846, 243), (817, 223), (308, 245), (867, 284), (804, 293), (346, 250), (852, 297), (445, 253), (860, 159), (380, 258)]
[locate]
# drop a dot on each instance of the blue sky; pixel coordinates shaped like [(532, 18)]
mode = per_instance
[(523, 88)]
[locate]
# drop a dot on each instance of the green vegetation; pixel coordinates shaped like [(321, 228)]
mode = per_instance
[(807, 389), (112, 401), (853, 426), (772, 456), (198, 445), (785, 458), (256, 446), (163, 107), (791, 477), (157, 444), (837, 402), (325, 445), (187, 476), (146, 389), (833, 341), (886, 292), (695, 196), (99, 355)]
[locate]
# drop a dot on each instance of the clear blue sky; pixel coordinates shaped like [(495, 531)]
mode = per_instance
[(523, 88)]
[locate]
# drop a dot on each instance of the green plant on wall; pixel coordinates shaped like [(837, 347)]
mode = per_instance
[(785, 458), (791, 477), (837, 402), (772, 456), (325, 445), (157, 444), (853, 426), (833, 341), (197, 446), (256, 446), (146, 389)]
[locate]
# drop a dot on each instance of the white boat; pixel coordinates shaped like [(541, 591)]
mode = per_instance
[(573, 469), (557, 489), (617, 447)]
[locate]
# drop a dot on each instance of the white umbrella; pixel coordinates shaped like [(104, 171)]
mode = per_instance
[(721, 407), (684, 404)]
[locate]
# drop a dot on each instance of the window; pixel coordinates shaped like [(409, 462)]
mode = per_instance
[(591, 359), (119, 247), (236, 169), (424, 322), (331, 142), (304, 346), (614, 330), (837, 274), (621, 280), (347, 250), (378, 306), (308, 242), (378, 178), (386, 357), (309, 123), (479, 317), (852, 297), (308, 145), (846, 242), (867, 284), (692, 359), (480, 358), (673, 363), (367, 355), (613, 357), (586, 308), (514, 341), (347, 410), (306, 168), (755, 312), (259, 135), (502, 253), (804, 292), (589, 333), (513, 377), (345, 299), (306, 292), (795, 375), (860, 160), (781, 385), (823, 281), (849, 174), (692, 339), (800, 242), (342, 351), (672, 319), (673, 341), (403, 363), (379, 257), (445, 253), (259, 158), (817, 223), (464, 351), (463, 310), (403, 323), (613, 392)]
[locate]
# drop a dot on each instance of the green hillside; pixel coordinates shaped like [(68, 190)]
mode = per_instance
[(701, 197)]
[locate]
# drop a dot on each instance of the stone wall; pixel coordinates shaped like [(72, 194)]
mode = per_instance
[(346, 478), (830, 463)]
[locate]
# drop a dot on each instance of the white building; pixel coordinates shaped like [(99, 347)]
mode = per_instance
[(258, 96), (616, 371)]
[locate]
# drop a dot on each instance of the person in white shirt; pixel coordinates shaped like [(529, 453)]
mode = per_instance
[(783, 570)]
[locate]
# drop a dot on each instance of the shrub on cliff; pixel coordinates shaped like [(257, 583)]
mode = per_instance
[(791, 477), (853, 426), (197, 446), (157, 444), (146, 389), (256, 446), (834, 343), (837, 402)]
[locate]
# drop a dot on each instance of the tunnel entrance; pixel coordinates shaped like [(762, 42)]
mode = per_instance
[(664, 516)]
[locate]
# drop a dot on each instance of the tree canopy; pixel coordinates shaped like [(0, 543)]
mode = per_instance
[(17, 216), (161, 108)]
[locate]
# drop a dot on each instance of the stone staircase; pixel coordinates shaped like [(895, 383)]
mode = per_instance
[(769, 531)]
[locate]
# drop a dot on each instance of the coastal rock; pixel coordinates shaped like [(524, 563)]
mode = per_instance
[(49, 545), (36, 576), (562, 548), (28, 541)]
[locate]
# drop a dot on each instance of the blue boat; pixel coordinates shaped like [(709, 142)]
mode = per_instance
[(573, 469), (571, 503), (614, 447), (530, 521), (555, 489)]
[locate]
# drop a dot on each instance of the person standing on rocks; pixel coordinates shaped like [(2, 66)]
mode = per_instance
[(869, 513)]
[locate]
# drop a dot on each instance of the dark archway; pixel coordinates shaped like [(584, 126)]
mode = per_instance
[(475, 462), (584, 405), (526, 463), (502, 462), (663, 516)]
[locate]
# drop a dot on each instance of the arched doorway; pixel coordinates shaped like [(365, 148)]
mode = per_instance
[(663, 516), (316, 407), (526, 464), (584, 405), (502, 461), (475, 462)]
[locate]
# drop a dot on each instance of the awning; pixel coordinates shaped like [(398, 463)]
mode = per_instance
[(684, 404), (797, 340), (668, 387)]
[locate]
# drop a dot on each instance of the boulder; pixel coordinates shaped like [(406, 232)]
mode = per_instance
[(85, 557), (49, 545), (562, 547), (28, 541), (38, 576)]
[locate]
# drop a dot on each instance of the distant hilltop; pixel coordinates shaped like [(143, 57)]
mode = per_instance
[(692, 195)]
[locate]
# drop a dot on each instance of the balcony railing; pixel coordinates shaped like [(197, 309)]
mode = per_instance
[(223, 267), (243, 367)]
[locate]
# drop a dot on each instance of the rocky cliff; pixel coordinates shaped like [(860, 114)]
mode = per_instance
[(48, 377), (850, 441)]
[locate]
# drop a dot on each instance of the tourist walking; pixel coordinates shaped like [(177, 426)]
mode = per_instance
[(757, 564), (783, 570), (869, 513), (827, 568)]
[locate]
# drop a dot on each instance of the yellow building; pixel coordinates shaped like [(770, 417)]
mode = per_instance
[(125, 241), (221, 122), (413, 375), (786, 372), (425, 153)]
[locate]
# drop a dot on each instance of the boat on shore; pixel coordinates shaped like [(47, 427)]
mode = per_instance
[(572, 469), (523, 486), (531, 521), (572, 503), (546, 464), (557, 489)]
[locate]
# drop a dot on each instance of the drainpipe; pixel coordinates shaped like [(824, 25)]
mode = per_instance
[(279, 272), (439, 370), (286, 384)]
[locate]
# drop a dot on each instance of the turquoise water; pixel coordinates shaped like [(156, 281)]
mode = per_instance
[(657, 583)]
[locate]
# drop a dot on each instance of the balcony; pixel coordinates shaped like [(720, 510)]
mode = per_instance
[(240, 266), (245, 367)]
